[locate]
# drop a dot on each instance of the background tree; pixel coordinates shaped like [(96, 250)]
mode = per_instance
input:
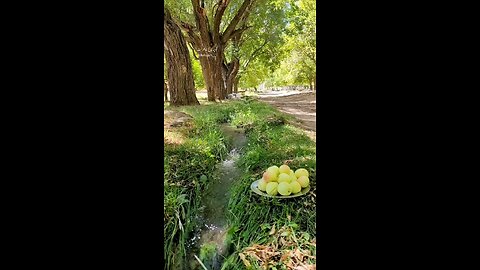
[(273, 43), (258, 46), (179, 68), (210, 34), (299, 65)]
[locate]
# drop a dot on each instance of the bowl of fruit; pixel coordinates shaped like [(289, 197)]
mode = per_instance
[(282, 182)]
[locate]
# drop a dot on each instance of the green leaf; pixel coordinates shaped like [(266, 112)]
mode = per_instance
[(293, 225), (181, 199)]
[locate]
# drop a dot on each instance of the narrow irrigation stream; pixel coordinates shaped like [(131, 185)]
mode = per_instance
[(209, 244)]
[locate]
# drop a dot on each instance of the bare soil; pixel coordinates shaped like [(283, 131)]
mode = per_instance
[(302, 106)]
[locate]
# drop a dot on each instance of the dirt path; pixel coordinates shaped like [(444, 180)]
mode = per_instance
[(302, 106)]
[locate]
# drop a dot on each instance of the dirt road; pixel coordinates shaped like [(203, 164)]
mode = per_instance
[(301, 105)]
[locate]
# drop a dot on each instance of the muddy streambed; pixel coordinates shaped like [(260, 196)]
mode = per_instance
[(209, 242)]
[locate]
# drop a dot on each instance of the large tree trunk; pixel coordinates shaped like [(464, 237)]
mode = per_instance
[(235, 84), (207, 77), (218, 79), (179, 68), (209, 42), (231, 71), (211, 61)]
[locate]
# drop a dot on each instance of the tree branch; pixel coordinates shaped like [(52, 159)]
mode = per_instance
[(238, 17), (186, 26), (202, 21), (221, 7), (191, 35), (193, 51), (237, 33), (193, 38), (254, 54), (233, 69)]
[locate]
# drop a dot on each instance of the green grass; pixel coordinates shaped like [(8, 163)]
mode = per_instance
[(183, 165), (251, 217)]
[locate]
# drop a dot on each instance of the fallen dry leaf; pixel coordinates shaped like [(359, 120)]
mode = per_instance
[(245, 261), (306, 267), (272, 231), (299, 254), (252, 254), (289, 264), (285, 256), (292, 255)]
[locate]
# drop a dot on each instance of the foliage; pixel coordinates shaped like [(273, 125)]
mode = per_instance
[(279, 48), (259, 45), (300, 46)]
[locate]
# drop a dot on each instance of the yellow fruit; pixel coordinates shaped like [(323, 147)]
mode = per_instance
[(283, 177), (262, 185), (272, 188), (301, 172), (284, 188), (292, 176), (284, 169), (269, 176), (304, 181), (295, 186), (273, 170)]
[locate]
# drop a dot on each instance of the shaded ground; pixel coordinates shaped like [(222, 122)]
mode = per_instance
[(300, 105)]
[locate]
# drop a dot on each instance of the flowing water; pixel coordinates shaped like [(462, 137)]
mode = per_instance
[(209, 241)]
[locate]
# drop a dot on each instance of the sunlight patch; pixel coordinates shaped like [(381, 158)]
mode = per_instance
[(173, 137)]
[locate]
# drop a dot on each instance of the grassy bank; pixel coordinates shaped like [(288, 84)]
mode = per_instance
[(278, 233), (189, 153)]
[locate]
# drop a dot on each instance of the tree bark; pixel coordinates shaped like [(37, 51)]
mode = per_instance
[(207, 77), (219, 82), (165, 90), (210, 43), (235, 84), (231, 73), (211, 61), (179, 68)]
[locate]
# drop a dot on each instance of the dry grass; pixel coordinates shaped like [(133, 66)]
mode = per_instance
[(176, 126), (287, 248), (173, 137)]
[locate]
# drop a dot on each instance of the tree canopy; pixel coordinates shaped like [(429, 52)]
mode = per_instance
[(274, 41)]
